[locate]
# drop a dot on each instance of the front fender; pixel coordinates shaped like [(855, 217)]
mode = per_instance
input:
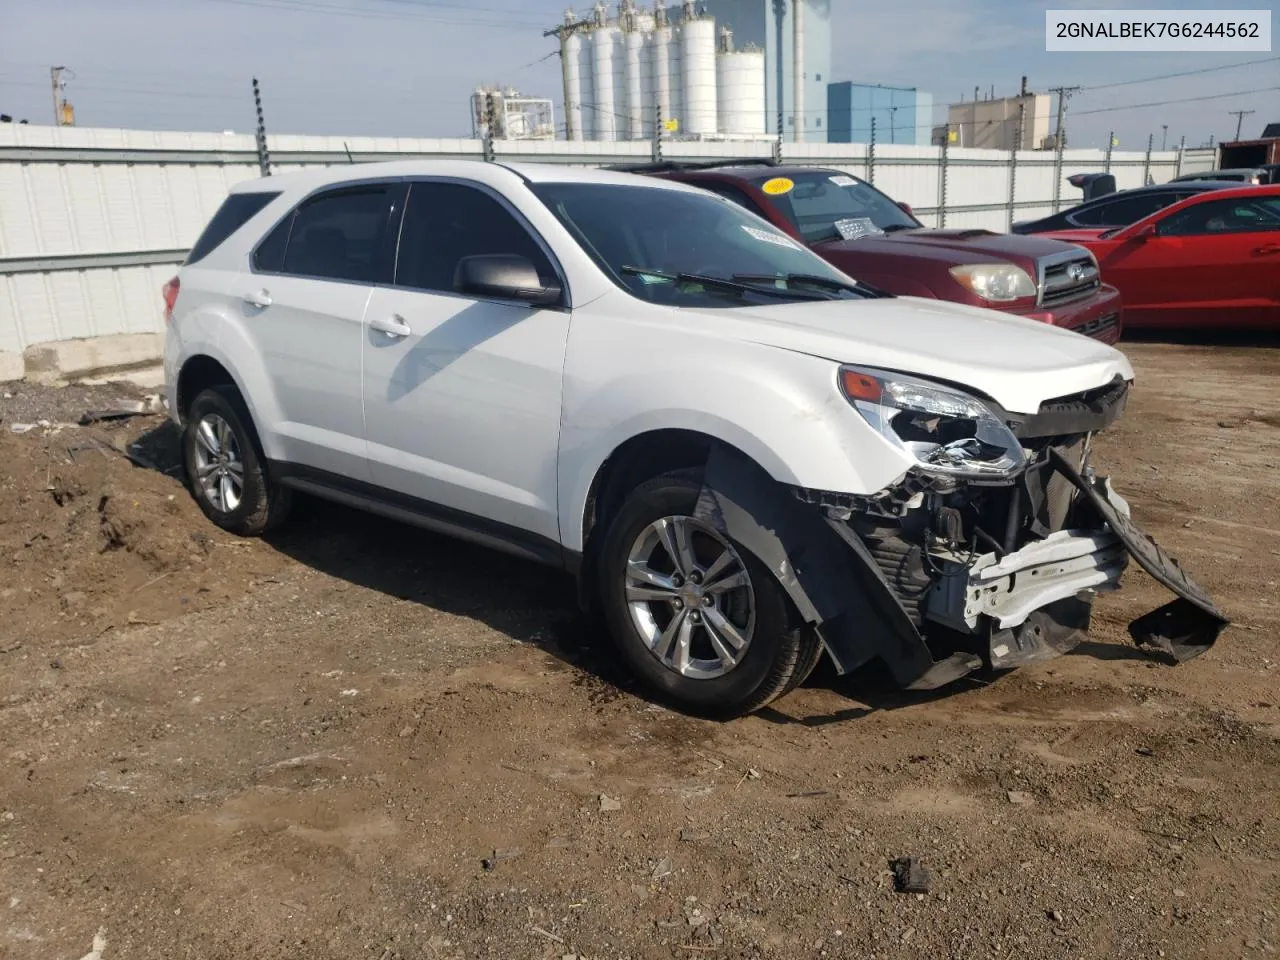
[(779, 408)]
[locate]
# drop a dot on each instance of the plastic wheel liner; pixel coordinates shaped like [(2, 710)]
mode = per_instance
[(836, 586)]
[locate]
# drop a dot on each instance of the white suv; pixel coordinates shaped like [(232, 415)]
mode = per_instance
[(746, 457)]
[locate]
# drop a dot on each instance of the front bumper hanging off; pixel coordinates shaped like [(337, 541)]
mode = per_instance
[(1030, 601)]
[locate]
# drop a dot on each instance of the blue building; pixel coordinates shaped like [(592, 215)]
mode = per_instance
[(902, 114), (771, 26)]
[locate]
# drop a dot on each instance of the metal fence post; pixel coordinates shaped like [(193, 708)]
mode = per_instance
[(871, 154), (656, 152), (488, 128), (1182, 146), (942, 178), (1146, 164), (1111, 142), (264, 157), (1013, 163)]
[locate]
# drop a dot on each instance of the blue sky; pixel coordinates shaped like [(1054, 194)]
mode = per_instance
[(406, 67)]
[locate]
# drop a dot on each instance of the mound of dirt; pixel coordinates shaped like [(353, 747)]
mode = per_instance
[(91, 541)]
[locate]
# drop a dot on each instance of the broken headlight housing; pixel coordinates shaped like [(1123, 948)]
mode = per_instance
[(949, 432)]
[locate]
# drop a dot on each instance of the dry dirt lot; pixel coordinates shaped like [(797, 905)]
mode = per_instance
[(310, 747)]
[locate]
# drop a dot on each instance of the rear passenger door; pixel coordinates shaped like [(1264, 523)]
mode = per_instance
[(304, 301), (462, 394)]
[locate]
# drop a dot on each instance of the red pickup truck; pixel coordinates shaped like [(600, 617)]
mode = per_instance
[(864, 233)]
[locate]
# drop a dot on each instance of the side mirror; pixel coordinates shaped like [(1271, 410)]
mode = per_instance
[(504, 276), (1144, 233)]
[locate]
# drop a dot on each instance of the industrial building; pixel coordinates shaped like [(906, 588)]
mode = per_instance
[(717, 69), (796, 38), (993, 123), (901, 114)]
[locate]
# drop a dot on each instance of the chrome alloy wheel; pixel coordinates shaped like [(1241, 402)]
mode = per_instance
[(219, 467), (690, 597)]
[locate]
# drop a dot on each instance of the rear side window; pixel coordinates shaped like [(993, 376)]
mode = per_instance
[(335, 236), (730, 192), (1127, 210), (237, 210)]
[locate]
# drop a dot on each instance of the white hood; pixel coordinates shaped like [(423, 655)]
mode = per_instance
[(1017, 362)]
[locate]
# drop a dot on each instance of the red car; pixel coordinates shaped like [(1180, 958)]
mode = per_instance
[(1212, 260), (864, 233)]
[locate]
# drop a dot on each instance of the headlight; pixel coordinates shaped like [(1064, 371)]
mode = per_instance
[(997, 282), (950, 433)]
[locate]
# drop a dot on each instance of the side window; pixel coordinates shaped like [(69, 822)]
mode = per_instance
[(337, 235), (1233, 215), (1127, 210), (445, 222), (269, 257), (730, 192), (237, 210)]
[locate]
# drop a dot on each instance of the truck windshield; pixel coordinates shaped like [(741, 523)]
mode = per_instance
[(658, 244), (825, 205)]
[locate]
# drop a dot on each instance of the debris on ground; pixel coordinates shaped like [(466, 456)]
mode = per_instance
[(911, 876), (1021, 798), (609, 804), (500, 856)]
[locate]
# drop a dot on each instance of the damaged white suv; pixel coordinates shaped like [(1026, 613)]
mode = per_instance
[(747, 458)]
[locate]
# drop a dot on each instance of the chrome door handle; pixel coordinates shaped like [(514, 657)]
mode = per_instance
[(392, 326), (1269, 248), (259, 299)]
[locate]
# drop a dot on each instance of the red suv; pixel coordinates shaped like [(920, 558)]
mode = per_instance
[(850, 223)]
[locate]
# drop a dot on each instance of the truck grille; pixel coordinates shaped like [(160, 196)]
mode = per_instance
[(1068, 279)]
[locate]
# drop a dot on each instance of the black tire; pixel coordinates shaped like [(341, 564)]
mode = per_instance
[(263, 504), (779, 646), (810, 657)]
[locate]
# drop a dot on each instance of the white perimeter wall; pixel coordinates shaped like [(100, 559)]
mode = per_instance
[(93, 222)]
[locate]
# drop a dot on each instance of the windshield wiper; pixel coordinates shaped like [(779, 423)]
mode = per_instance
[(824, 283), (895, 227), (720, 283)]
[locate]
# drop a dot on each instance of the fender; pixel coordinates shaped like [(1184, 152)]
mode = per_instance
[(782, 409)]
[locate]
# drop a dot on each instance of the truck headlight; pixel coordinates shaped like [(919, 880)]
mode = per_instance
[(950, 433), (996, 282)]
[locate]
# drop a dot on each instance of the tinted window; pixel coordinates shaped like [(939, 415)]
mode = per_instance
[(1125, 210), (1238, 215), (237, 210), (338, 235), (730, 192), (831, 206), (641, 236), (445, 222), (270, 253)]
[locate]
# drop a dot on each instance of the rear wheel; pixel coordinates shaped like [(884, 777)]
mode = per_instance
[(698, 618), (225, 465)]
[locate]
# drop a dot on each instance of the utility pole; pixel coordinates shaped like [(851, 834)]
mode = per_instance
[(1239, 115), (1164, 137), (61, 112), (893, 126), (1064, 93)]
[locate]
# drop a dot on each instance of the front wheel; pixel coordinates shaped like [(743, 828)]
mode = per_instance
[(697, 617)]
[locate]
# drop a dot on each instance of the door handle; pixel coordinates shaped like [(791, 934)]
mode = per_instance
[(259, 299), (1267, 249), (392, 326)]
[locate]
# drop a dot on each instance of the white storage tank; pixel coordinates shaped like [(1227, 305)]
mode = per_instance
[(573, 86), (698, 53), (604, 66), (740, 80)]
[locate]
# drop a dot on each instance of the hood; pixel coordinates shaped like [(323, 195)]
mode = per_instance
[(954, 247), (1019, 363), (1077, 236)]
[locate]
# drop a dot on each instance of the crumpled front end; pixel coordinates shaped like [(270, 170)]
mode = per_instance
[(937, 575)]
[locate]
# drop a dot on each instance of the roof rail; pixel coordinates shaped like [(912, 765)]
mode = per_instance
[(670, 166)]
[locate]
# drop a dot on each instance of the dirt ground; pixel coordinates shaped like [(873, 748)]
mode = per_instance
[(359, 740)]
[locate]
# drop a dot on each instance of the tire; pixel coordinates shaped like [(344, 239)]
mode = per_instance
[(647, 635), (810, 656), (218, 419)]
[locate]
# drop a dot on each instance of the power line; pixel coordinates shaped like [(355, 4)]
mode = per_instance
[(1181, 73), (1165, 103)]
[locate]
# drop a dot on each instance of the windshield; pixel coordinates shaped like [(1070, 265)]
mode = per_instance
[(658, 243), (834, 206)]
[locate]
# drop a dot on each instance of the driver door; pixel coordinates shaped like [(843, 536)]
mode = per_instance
[(462, 394), (1212, 264)]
